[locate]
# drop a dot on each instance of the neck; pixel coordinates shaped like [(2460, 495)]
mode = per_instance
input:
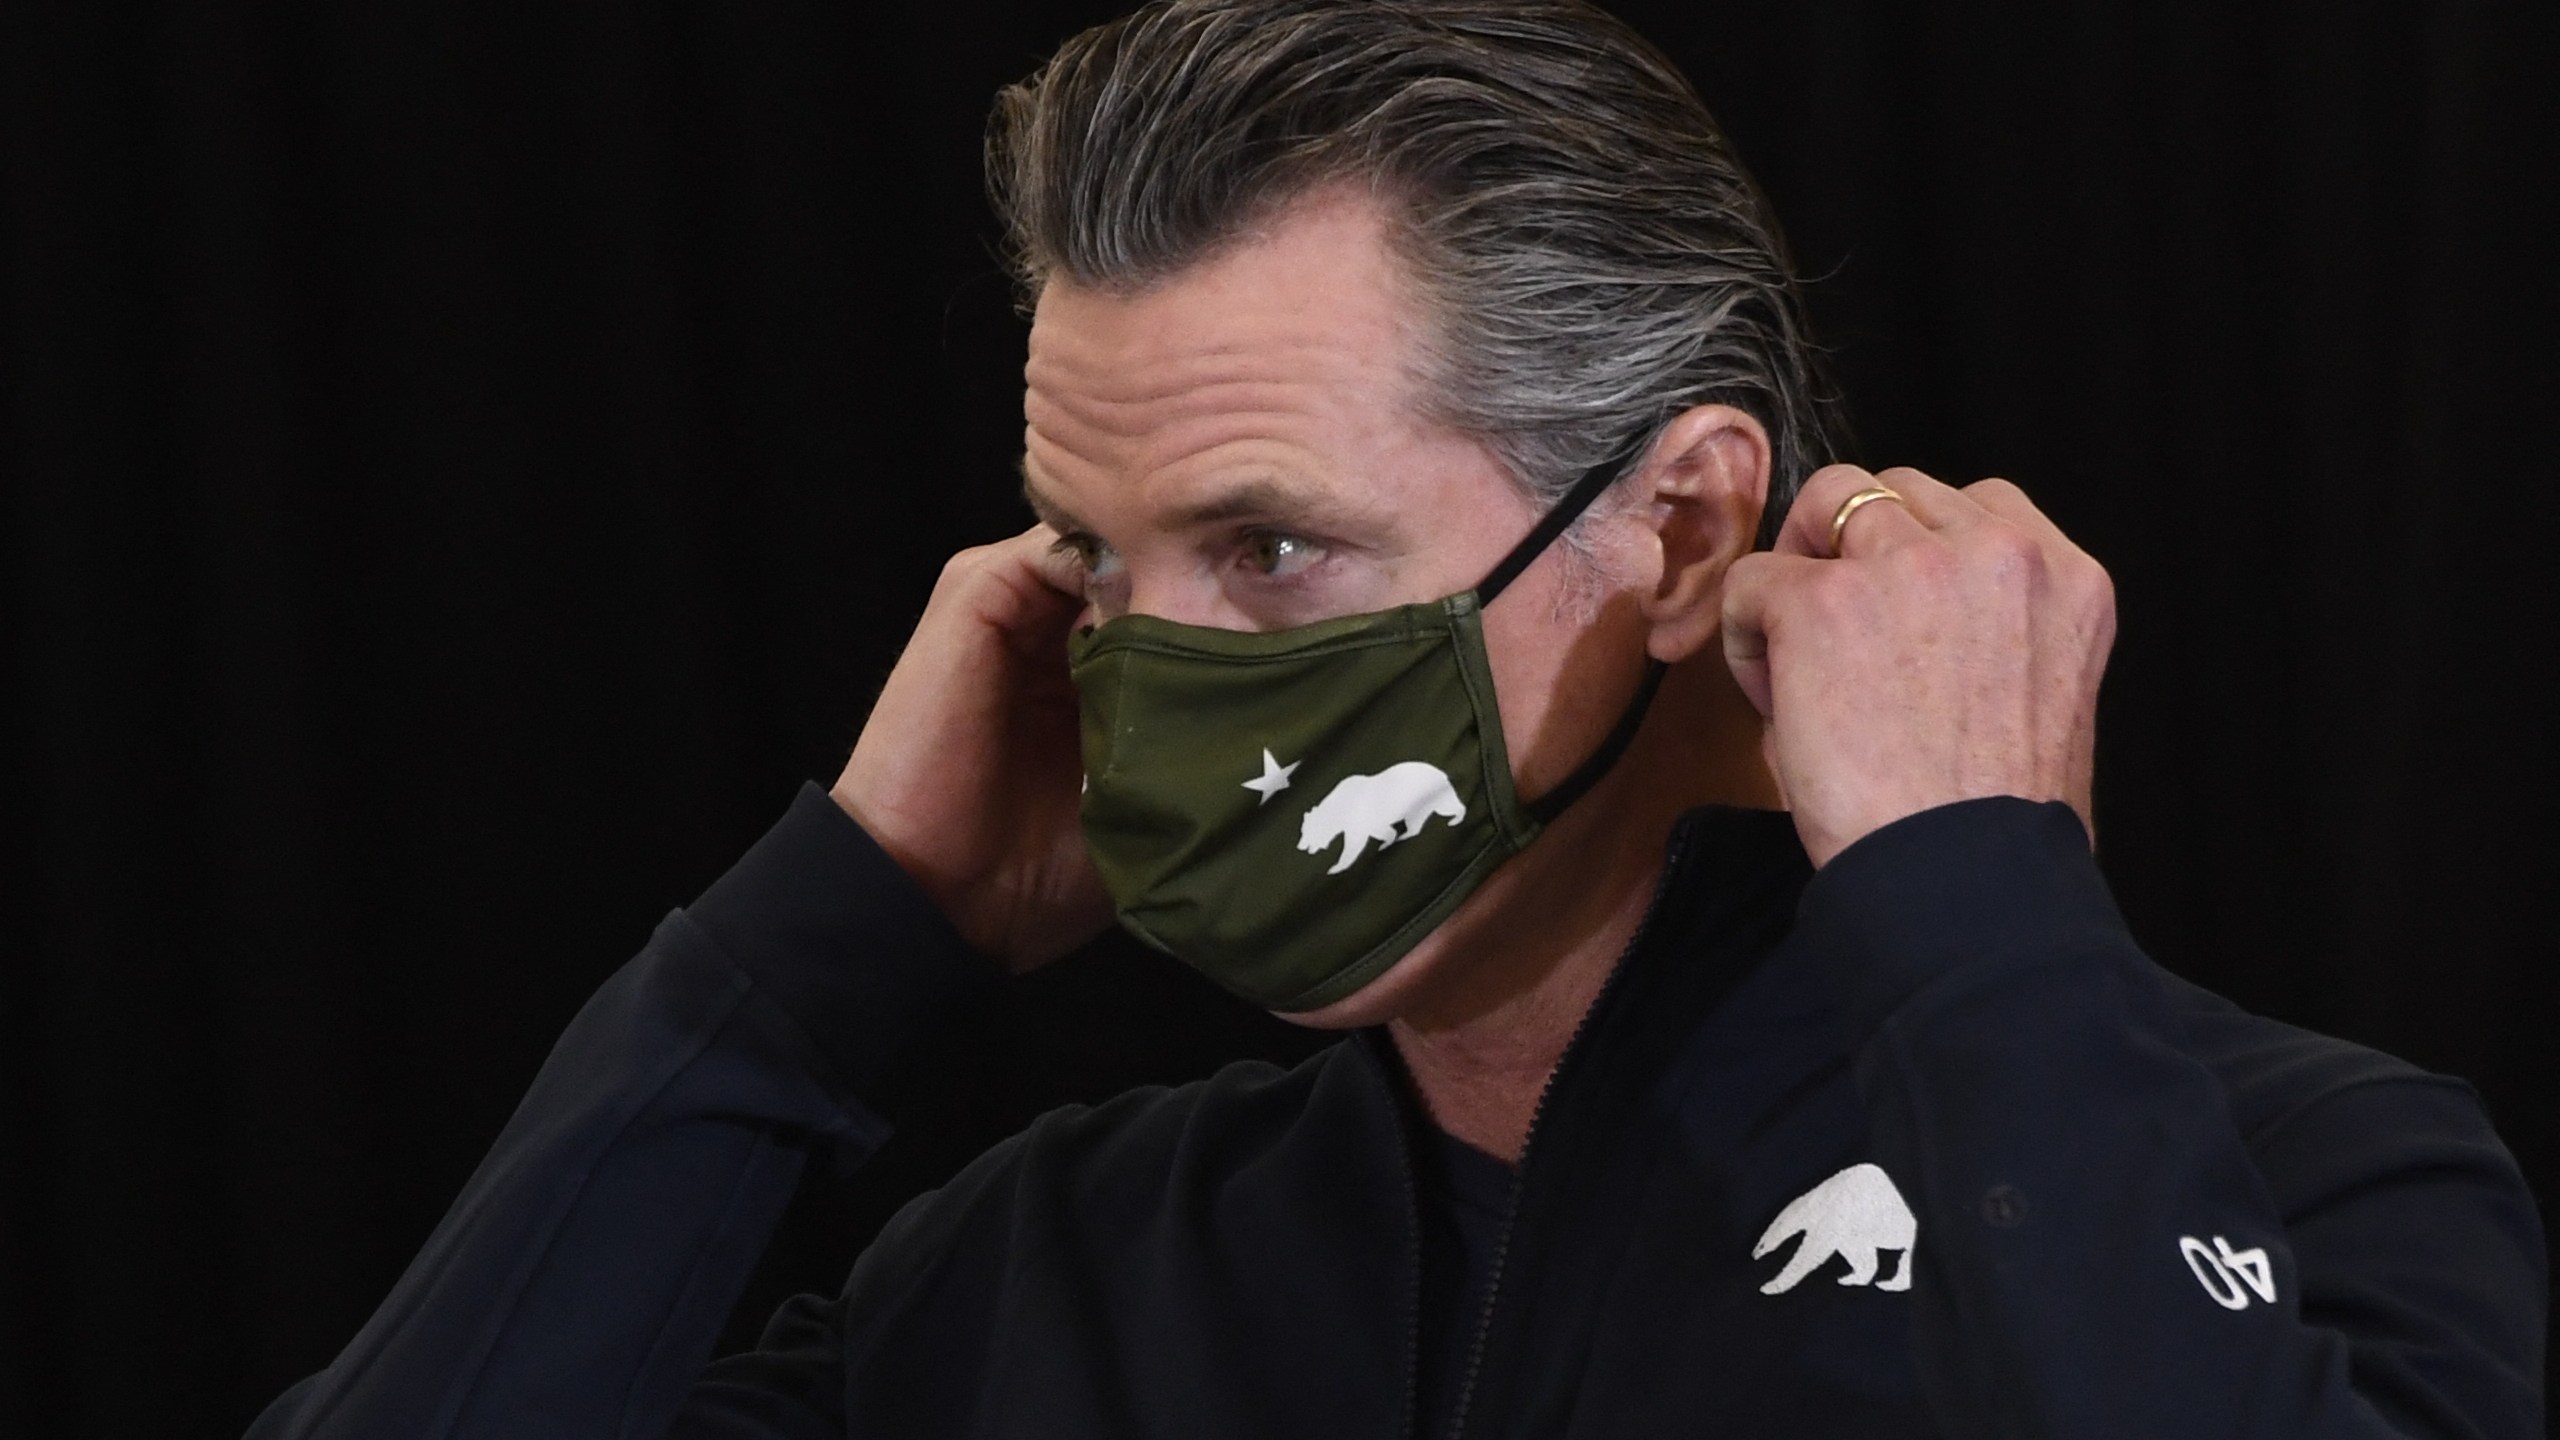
[(1520, 964)]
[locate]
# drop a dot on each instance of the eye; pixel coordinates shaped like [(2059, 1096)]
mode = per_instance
[(1097, 560), (1278, 554)]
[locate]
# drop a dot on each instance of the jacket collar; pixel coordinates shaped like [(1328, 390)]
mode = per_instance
[(1727, 895)]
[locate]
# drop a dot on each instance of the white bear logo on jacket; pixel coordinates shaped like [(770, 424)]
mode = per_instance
[(1856, 1213)]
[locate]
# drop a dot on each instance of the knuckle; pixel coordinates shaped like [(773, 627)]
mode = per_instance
[(1838, 475), (1822, 492), (1933, 562), (2099, 589), (2100, 584), (2011, 552), (1743, 580), (1832, 594)]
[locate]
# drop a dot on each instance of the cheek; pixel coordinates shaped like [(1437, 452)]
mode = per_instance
[(1529, 647), (1565, 663)]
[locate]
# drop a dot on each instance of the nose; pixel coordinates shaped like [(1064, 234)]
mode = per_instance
[(1184, 599)]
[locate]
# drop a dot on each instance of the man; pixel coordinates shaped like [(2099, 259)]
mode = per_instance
[(1438, 628)]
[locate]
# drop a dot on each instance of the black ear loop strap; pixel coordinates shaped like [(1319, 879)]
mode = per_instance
[(1567, 510), (1547, 807)]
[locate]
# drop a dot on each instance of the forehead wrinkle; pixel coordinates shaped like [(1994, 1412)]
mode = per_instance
[(1225, 403), (1226, 496), (1110, 386), (1212, 442)]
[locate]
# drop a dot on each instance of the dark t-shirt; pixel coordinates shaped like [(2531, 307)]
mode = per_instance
[(1466, 1194)]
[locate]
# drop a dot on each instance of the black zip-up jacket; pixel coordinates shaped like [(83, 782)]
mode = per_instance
[(1920, 1145)]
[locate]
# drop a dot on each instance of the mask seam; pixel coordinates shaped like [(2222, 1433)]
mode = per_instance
[(1119, 712), (1180, 651), (1493, 758)]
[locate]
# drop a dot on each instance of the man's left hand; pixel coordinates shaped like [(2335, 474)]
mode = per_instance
[(1951, 650)]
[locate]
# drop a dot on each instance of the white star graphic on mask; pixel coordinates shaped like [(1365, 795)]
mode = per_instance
[(1275, 778)]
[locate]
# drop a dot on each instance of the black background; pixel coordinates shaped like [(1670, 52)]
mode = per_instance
[(466, 464)]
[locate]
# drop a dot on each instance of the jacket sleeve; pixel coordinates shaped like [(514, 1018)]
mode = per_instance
[(2100, 1251), (578, 1283)]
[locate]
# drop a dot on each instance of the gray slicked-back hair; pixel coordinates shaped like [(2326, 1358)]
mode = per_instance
[(1591, 256)]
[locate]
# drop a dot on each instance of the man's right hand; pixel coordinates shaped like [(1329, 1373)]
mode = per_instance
[(969, 771)]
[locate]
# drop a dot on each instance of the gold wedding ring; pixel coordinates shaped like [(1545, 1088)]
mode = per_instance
[(1849, 507)]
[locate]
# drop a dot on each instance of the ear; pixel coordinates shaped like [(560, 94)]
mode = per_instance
[(1704, 483)]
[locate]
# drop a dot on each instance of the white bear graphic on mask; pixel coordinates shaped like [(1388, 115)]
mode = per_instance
[(1371, 807), (1855, 1213)]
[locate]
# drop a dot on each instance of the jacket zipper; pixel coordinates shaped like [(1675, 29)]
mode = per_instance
[(1412, 1421), (1529, 1147)]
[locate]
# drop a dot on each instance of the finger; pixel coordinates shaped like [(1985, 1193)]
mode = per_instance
[(1037, 548), (1885, 523), (1806, 530), (1020, 586), (1932, 501), (2008, 505), (2004, 500), (1046, 584), (1752, 587), (1879, 525)]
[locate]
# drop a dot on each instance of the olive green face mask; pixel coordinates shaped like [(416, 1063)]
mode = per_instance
[(1289, 811)]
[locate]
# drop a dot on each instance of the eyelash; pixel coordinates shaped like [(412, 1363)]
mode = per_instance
[(1085, 549), (1076, 546)]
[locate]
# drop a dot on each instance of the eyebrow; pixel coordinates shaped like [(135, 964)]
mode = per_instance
[(1256, 499), (1050, 513)]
